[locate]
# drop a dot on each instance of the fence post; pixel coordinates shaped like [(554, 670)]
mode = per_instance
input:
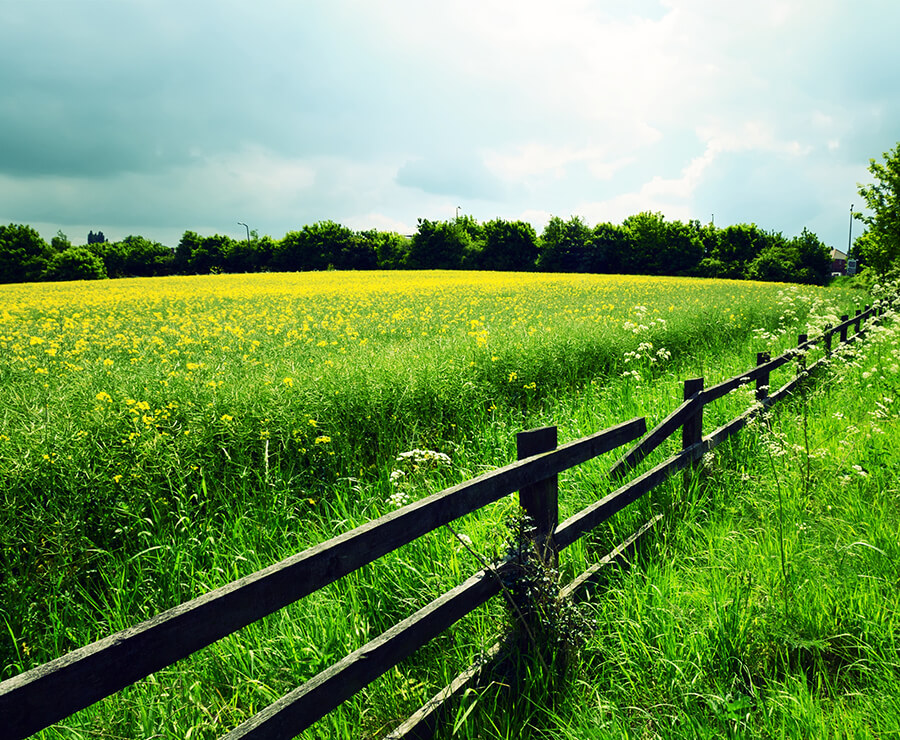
[(827, 336), (762, 382), (865, 316), (858, 321), (541, 500), (844, 328), (692, 431)]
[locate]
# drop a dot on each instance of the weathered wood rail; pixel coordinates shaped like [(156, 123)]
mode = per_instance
[(51, 692)]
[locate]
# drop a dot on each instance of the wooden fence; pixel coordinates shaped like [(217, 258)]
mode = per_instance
[(49, 693)]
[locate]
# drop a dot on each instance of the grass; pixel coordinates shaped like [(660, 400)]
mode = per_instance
[(162, 438), (769, 607)]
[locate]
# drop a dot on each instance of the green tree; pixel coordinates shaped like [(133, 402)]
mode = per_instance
[(443, 245), (201, 255), (564, 245), (813, 258), (608, 249), (659, 247), (75, 263), (881, 248), (391, 249), (730, 253), (317, 247), (60, 242), (252, 256), (508, 245), (144, 258), (23, 254)]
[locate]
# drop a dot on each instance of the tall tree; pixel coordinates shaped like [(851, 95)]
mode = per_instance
[(317, 247), (23, 254), (441, 245), (564, 245), (881, 248), (660, 247), (508, 245)]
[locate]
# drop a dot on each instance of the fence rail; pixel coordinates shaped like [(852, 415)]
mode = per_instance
[(49, 693)]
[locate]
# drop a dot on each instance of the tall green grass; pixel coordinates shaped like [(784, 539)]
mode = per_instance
[(768, 607), (85, 554)]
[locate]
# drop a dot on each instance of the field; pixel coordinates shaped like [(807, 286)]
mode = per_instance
[(163, 437)]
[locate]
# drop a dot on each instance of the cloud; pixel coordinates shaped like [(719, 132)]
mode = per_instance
[(459, 175), (167, 115)]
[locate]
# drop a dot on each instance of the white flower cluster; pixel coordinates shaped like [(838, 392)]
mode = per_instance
[(424, 459), (641, 323), (411, 463)]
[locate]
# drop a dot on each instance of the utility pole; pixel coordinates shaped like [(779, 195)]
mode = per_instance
[(241, 223), (850, 233)]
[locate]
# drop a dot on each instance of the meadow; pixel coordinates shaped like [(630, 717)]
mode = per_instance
[(161, 437)]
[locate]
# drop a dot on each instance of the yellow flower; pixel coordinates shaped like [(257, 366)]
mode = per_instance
[(322, 440), (226, 418), (103, 396), (289, 382)]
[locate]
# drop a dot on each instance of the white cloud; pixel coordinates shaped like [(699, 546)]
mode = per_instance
[(379, 113)]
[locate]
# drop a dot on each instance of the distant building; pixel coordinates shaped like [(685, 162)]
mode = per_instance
[(838, 262)]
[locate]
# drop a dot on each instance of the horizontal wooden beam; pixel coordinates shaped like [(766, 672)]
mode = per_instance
[(303, 706), (656, 437), (422, 724), (44, 695), (585, 520)]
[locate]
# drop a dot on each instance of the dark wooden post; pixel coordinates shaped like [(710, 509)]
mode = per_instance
[(844, 328), (762, 382), (858, 321), (827, 337), (692, 431), (541, 500)]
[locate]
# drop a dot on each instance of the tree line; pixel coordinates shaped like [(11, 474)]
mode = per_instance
[(646, 243)]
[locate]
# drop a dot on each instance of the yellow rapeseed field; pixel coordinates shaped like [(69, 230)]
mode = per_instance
[(171, 327)]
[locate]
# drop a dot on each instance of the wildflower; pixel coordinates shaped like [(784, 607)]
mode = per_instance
[(103, 396), (398, 499), (323, 440), (289, 382), (226, 418)]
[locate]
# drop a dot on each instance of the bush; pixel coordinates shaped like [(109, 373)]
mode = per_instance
[(75, 263)]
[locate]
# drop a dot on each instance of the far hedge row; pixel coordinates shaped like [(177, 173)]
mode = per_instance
[(643, 244)]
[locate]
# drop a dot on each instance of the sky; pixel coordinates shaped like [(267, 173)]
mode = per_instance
[(154, 117)]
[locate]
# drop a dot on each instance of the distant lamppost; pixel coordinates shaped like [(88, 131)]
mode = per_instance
[(457, 212), (850, 233), (241, 223)]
